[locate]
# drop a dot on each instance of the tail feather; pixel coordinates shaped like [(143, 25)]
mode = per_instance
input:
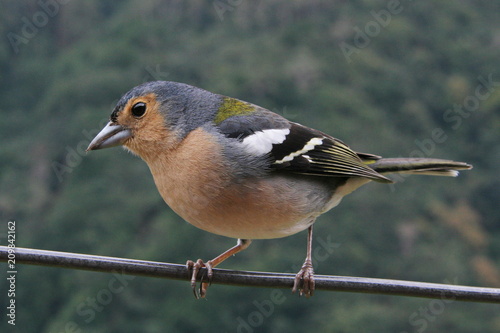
[(417, 166)]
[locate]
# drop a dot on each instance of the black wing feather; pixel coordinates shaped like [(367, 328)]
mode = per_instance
[(330, 158)]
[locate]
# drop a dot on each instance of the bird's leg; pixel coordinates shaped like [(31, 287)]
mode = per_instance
[(306, 273), (194, 267)]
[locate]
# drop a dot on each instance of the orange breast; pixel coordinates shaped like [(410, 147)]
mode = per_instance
[(198, 188)]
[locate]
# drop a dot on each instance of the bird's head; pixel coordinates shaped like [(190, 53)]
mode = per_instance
[(156, 115)]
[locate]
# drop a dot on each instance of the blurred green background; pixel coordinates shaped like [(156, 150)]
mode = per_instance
[(380, 75)]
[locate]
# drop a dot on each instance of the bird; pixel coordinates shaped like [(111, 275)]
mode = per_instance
[(236, 169)]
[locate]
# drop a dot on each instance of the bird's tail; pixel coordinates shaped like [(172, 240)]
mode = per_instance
[(415, 166)]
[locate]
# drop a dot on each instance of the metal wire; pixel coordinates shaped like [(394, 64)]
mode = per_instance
[(254, 279)]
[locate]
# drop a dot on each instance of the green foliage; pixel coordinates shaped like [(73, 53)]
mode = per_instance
[(400, 83)]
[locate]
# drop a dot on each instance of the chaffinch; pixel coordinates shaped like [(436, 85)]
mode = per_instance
[(235, 169)]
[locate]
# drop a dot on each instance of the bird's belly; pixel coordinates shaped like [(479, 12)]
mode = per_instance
[(261, 226), (256, 209)]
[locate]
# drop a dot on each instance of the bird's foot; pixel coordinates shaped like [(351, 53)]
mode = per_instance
[(193, 270), (304, 280)]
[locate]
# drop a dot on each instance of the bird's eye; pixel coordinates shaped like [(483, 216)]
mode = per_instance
[(139, 109)]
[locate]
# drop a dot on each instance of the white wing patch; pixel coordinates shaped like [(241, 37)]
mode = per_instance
[(308, 147), (261, 142)]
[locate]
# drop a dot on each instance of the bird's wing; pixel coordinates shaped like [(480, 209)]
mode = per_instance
[(308, 151), (292, 147)]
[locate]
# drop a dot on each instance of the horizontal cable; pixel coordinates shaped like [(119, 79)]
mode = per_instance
[(253, 279)]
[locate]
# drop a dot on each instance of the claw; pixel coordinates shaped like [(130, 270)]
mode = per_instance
[(306, 275), (193, 269), (210, 272), (192, 273)]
